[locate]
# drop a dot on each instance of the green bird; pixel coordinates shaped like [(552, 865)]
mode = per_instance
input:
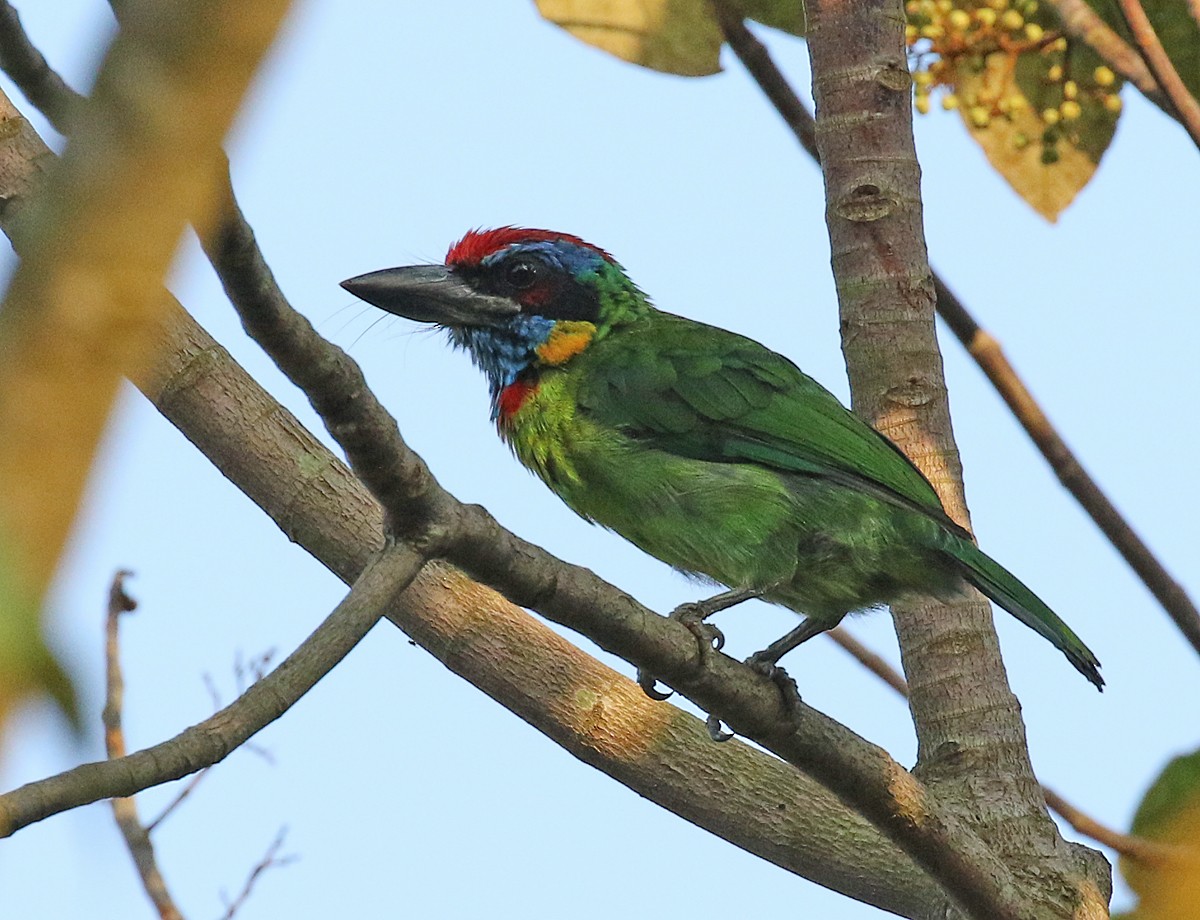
[(707, 450)]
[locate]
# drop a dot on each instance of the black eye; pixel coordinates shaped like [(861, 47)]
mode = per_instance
[(521, 274)]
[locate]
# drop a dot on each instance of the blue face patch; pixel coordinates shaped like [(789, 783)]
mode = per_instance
[(502, 352), (570, 257)]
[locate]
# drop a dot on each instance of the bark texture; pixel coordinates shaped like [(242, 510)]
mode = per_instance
[(971, 740)]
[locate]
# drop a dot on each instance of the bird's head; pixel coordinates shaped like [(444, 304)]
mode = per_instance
[(516, 299)]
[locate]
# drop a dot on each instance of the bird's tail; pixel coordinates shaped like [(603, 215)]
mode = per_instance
[(1006, 590)]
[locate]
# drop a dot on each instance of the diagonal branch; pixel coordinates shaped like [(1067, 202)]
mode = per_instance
[(1186, 106), (860, 773), (991, 360), (1085, 24), (213, 739), (1148, 852), (734, 791)]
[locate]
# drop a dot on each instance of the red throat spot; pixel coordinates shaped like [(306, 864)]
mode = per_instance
[(512, 397)]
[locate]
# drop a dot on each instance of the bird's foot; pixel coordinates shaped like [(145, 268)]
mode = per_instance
[(709, 638), (767, 665)]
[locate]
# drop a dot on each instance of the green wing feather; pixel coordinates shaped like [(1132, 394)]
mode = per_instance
[(708, 394)]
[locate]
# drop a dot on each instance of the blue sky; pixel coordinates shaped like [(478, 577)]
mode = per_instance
[(376, 138)]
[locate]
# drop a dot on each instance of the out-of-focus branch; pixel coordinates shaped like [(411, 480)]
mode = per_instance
[(137, 837), (212, 740), (1145, 851), (988, 355), (271, 860), (1186, 106)]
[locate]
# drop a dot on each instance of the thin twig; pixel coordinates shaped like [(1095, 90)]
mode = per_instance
[(1159, 62), (987, 354), (137, 837), (271, 860), (1084, 23), (212, 740), (187, 790), (1148, 852)]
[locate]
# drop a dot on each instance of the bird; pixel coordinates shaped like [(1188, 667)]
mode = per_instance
[(704, 448)]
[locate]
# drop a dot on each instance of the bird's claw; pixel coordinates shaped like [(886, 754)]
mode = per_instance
[(715, 731), (765, 665), (692, 615), (649, 684)]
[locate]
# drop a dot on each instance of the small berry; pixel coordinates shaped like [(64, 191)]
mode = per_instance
[(959, 20), (1070, 90), (1054, 73), (922, 105), (980, 116), (1103, 76), (949, 102), (933, 31), (1071, 110), (1012, 20), (1050, 116), (985, 16), (1112, 103), (923, 78)]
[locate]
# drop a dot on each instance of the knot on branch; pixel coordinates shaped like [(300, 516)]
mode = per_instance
[(865, 202)]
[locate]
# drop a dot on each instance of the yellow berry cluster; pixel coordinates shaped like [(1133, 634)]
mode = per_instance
[(953, 38)]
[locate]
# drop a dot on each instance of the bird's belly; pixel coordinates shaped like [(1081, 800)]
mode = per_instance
[(817, 547)]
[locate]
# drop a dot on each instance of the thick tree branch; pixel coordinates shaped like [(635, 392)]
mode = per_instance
[(969, 730), (213, 739), (990, 357), (734, 791), (860, 773), (1149, 852)]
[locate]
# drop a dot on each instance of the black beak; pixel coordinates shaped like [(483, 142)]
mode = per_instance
[(430, 294)]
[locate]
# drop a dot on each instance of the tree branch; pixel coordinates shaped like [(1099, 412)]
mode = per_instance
[(1149, 852), (1084, 23), (862, 89), (991, 360), (734, 791), (860, 773), (1187, 108), (213, 739), (137, 837)]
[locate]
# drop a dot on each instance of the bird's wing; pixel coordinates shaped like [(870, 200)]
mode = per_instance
[(705, 393)]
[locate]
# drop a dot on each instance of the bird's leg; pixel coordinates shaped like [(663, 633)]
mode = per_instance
[(692, 615), (766, 662)]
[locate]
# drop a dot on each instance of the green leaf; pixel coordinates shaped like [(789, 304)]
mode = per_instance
[(673, 36), (1169, 814)]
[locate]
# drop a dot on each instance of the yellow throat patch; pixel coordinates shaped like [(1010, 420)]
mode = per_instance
[(567, 339)]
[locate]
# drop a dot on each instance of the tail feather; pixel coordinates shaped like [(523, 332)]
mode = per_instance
[(1006, 590)]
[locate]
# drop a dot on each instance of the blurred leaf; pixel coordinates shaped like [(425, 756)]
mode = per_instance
[(673, 36), (1170, 814), (1046, 163), (27, 668)]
